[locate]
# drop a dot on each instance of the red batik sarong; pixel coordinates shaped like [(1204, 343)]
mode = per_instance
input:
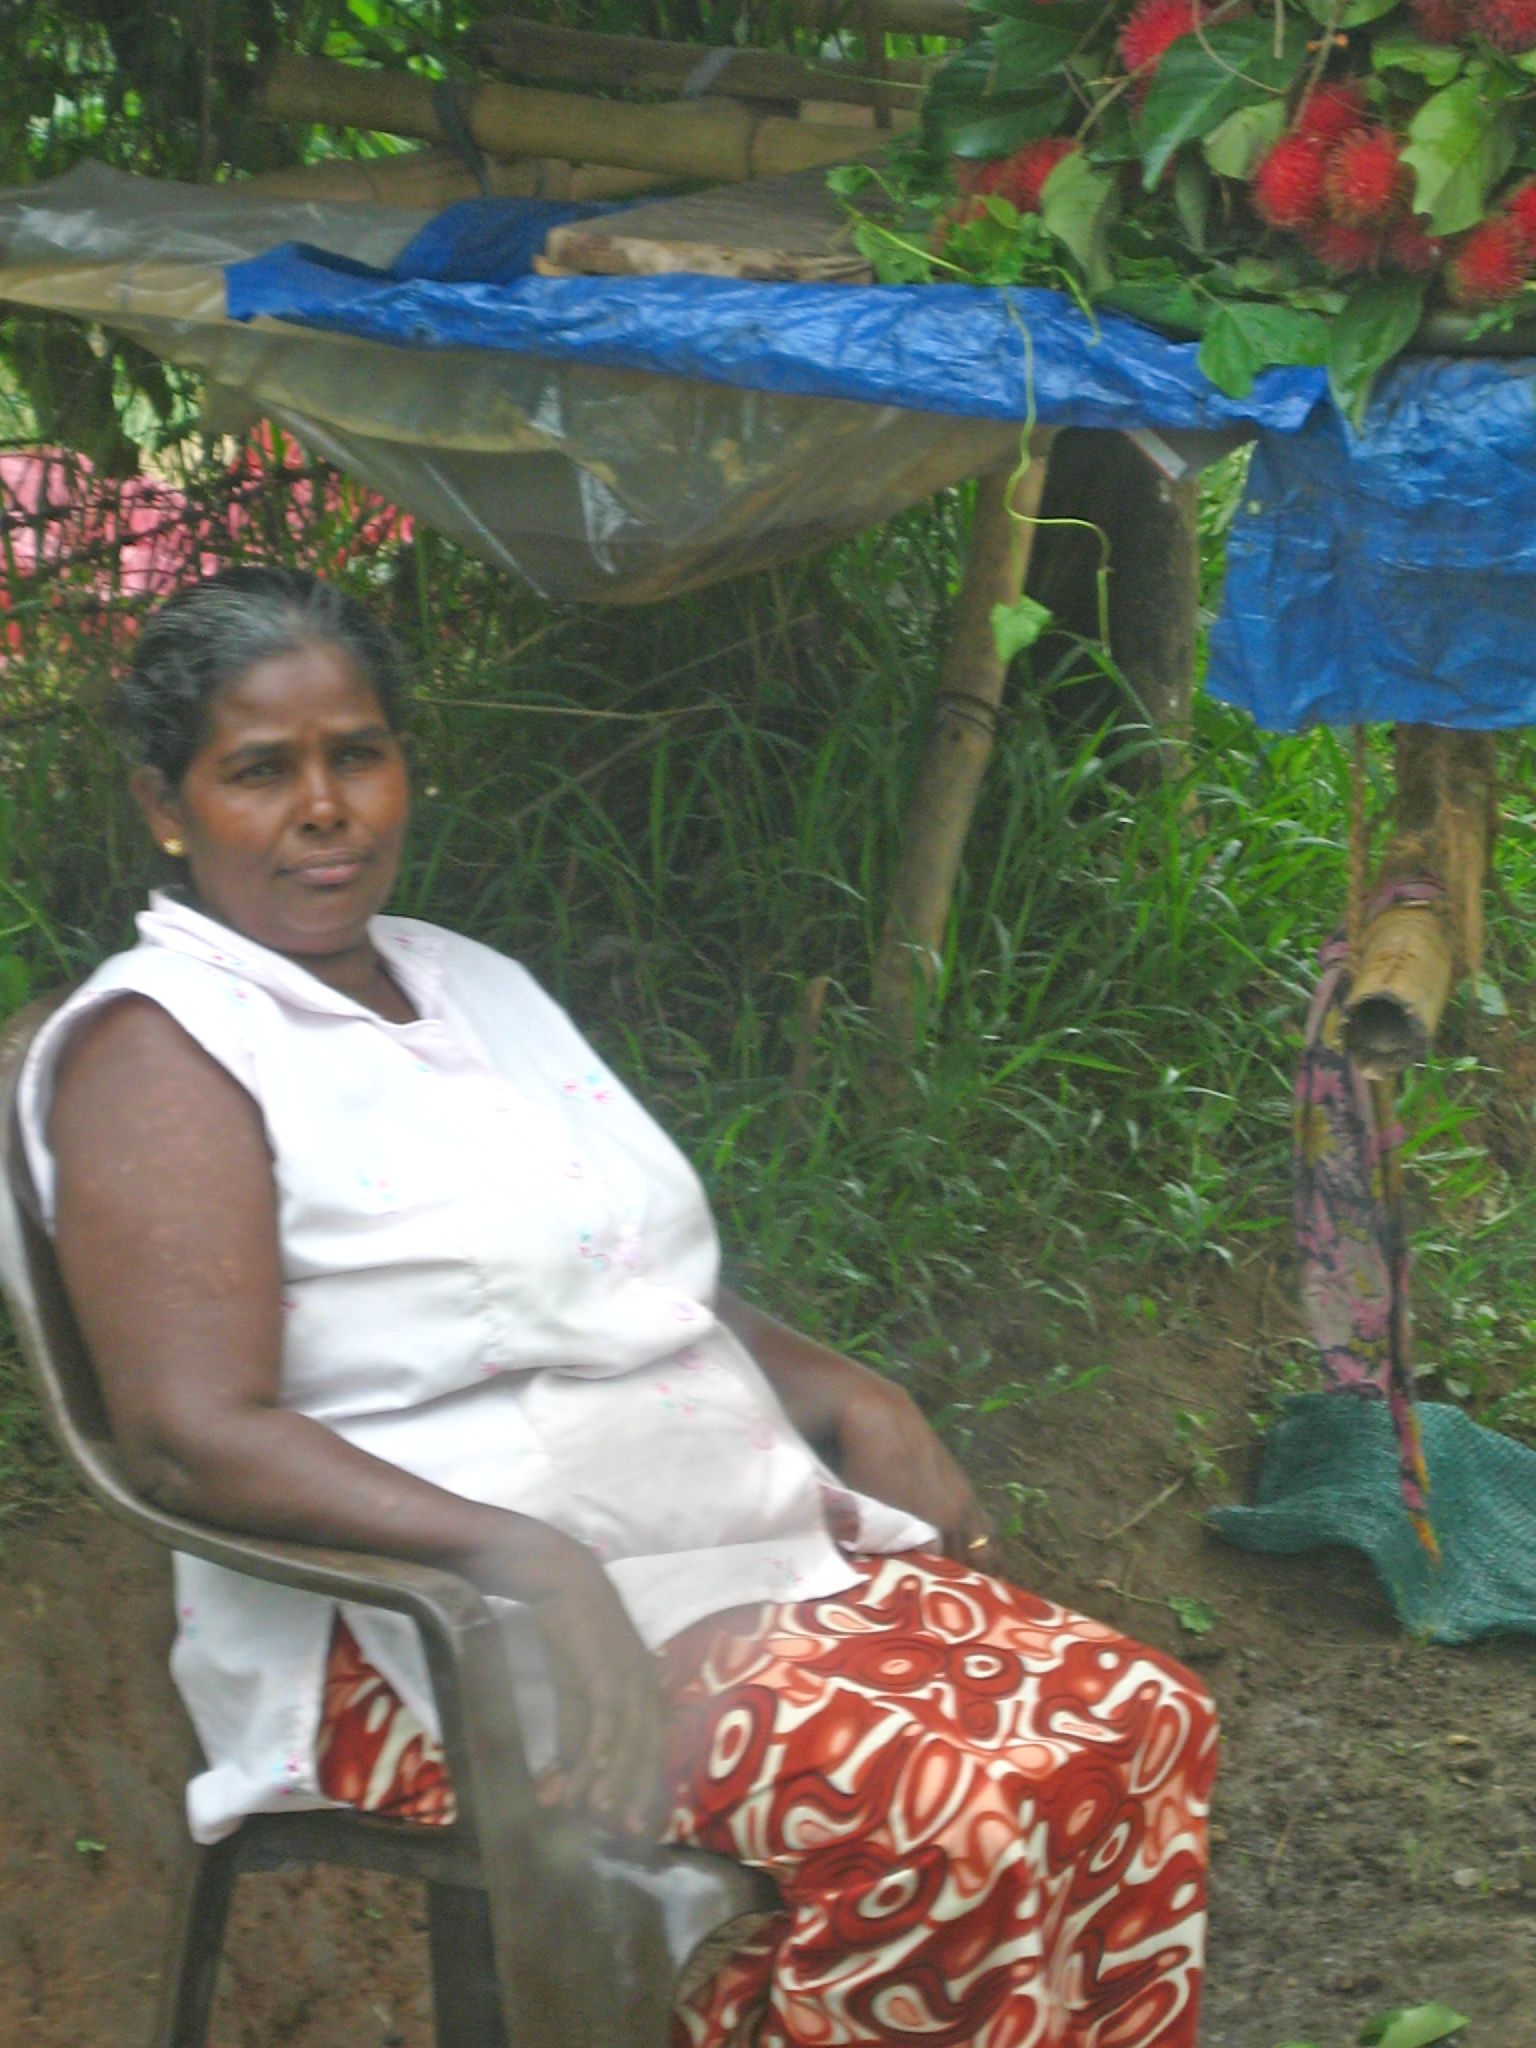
[(985, 1815)]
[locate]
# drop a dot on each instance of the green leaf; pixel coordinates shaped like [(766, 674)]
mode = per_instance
[(15, 983), (1192, 187), (1274, 277), (1242, 338), (965, 115), (1076, 204), (1160, 302), (1488, 996), (1194, 1616), (1377, 324), (1412, 2026), (1031, 41), (1202, 80), (1458, 148), (1017, 626), (1438, 62), (1234, 146), (1356, 12)]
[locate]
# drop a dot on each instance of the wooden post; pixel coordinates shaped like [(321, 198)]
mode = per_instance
[(1142, 528), (721, 143), (959, 744), (1409, 956)]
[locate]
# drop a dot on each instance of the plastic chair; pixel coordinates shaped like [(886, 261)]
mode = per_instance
[(543, 1933)]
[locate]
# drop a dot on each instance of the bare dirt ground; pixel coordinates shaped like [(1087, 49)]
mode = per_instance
[(1376, 1817)]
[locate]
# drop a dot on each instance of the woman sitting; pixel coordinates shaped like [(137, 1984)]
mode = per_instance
[(371, 1249)]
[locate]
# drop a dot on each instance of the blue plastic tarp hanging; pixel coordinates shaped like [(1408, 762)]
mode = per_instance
[(629, 437), (1390, 573)]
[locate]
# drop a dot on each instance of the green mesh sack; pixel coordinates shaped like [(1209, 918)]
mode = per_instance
[(1330, 1476)]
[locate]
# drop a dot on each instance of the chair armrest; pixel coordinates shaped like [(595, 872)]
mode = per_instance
[(466, 1652), (431, 1595)]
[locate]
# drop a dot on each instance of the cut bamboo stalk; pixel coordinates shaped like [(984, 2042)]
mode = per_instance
[(959, 743), (1410, 954), (433, 178), (720, 143), (645, 64)]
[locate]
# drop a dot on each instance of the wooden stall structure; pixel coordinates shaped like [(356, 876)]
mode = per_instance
[(720, 157)]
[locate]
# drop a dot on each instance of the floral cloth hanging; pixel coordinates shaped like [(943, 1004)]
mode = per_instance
[(1347, 1203)]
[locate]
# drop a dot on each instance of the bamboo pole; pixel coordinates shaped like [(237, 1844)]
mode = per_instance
[(719, 144), (1408, 956), (646, 64), (960, 741), (434, 178)]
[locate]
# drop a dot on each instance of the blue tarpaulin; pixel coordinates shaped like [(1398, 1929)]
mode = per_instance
[(985, 354), (626, 438), (1386, 574)]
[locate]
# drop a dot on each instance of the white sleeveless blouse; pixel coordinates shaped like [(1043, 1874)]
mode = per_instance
[(498, 1273)]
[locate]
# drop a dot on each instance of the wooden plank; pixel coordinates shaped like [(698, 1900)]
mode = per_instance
[(534, 50), (772, 229)]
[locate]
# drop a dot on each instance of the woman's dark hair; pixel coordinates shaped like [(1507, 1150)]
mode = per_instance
[(212, 632)]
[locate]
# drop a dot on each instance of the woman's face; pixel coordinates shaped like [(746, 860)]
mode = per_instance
[(292, 813)]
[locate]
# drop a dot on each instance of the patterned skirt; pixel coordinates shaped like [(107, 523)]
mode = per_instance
[(985, 1814)]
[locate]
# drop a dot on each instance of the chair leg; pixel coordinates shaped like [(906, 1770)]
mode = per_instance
[(465, 1997), (199, 1909)]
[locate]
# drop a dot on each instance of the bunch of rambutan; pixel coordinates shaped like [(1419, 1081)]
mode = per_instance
[(1019, 178), (1338, 182), (1509, 25), (1150, 30)]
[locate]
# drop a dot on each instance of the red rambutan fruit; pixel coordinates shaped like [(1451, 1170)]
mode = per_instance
[(1331, 113), (1490, 264), (1287, 189), (1341, 246), (1520, 212), (1366, 183), (1510, 25), (1408, 247), (1020, 178), (1440, 21), (1152, 27)]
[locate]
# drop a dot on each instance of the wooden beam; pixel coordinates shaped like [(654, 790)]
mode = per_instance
[(959, 743), (434, 178), (718, 144), (521, 49)]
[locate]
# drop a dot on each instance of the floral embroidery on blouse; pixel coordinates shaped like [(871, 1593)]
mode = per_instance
[(594, 1086)]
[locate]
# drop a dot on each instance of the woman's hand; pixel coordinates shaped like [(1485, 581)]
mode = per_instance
[(606, 1681), (886, 1447), (870, 1429)]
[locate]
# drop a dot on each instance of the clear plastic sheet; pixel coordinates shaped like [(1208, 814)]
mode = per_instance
[(589, 482)]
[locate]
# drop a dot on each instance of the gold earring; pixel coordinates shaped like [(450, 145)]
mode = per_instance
[(173, 847)]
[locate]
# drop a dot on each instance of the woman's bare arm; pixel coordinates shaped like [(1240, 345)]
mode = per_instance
[(167, 1237), (871, 1429)]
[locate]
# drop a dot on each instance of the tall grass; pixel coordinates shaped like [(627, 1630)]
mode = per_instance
[(685, 819)]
